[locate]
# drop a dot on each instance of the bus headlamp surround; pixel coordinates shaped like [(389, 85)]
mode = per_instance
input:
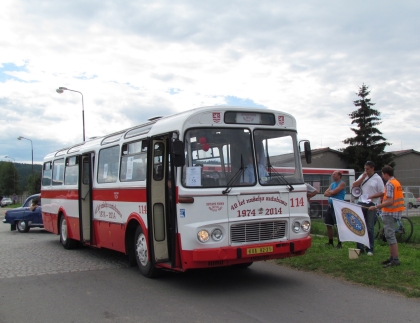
[(296, 226), (306, 226), (217, 235), (203, 236)]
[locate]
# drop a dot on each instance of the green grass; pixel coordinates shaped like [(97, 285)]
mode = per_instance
[(404, 279)]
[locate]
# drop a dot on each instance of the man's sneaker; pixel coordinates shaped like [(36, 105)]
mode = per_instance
[(370, 253), (386, 262), (392, 263), (339, 246)]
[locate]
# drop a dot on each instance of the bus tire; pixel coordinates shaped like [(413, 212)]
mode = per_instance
[(64, 239), (315, 210), (146, 267), (22, 226)]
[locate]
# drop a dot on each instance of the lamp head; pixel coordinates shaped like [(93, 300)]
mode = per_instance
[(20, 137), (61, 89)]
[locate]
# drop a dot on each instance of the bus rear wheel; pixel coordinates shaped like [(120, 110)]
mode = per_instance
[(142, 255), (64, 239)]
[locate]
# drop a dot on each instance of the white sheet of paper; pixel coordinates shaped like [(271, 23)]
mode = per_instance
[(364, 198), (194, 176)]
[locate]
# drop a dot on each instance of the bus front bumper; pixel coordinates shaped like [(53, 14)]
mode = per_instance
[(227, 256)]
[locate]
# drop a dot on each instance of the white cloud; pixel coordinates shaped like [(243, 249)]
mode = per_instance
[(138, 59)]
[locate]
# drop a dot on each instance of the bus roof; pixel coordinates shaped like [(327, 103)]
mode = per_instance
[(211, 115)]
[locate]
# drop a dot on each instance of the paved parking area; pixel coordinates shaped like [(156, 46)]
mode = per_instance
[(39, 252)]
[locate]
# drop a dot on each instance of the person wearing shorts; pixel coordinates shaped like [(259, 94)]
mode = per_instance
[(372, 186), (336, 190), (392, 207)]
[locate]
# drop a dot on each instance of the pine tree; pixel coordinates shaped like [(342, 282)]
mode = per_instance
[(368, 144)]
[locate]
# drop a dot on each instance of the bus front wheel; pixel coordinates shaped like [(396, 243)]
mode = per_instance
[(142, 255)]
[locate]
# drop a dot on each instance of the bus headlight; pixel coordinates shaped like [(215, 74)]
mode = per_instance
[(296, 227), (203, 236), (217, 235), (306, 225)]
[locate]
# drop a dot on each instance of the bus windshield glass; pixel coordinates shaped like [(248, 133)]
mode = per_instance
[(221, 157)]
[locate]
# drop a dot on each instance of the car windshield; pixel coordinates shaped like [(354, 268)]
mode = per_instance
[(223, 157)]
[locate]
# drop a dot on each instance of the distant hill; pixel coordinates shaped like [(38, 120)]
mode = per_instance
[(23, 172)]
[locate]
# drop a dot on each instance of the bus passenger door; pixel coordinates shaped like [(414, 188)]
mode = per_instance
[(157, 190), (85, 199)]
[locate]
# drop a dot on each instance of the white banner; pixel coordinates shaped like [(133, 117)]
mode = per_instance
[(351, 224)]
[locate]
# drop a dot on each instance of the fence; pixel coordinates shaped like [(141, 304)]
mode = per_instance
[(318, 207)]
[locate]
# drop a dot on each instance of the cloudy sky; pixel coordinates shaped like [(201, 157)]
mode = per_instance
[(136, 59)]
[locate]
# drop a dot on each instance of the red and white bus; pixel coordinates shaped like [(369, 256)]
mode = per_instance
[(320, 178), (172, 193)]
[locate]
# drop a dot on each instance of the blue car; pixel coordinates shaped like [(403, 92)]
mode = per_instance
[(26, 217)]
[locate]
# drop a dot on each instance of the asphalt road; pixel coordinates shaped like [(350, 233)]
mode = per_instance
[(42, 282)]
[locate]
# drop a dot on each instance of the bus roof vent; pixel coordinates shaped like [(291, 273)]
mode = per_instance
[(155, 118)]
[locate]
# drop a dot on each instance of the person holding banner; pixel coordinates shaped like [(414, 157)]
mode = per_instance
[(372, 188), (336, 190), (392, 207)]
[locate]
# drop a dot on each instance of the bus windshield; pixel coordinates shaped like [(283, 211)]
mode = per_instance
[(220, 157)]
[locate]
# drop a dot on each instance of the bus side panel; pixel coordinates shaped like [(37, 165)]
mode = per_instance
[(50, 222), (110, 235), (55, 202), (73, 230), (112, 207)]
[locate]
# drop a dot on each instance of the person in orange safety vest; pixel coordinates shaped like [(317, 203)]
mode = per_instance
[(392, 207)]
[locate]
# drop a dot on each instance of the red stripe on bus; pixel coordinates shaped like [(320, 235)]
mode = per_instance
[(323, 171), (113, 194)]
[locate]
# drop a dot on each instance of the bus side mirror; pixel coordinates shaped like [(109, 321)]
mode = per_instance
[(178, 153), (308, 152)]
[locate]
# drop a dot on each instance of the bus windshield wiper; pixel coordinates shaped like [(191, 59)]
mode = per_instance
[(270, 168), (279, 175), (235, 177)]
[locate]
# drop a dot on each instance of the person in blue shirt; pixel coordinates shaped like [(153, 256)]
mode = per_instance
[(249, 174), (336, 190)]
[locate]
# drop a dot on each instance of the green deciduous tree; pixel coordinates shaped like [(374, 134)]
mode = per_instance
[(9, 179), (34, 183), (368, 142)]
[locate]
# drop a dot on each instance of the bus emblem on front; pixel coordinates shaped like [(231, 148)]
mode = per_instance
[(216, 117)]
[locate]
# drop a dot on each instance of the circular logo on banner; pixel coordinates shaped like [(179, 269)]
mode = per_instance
[(353, 222)]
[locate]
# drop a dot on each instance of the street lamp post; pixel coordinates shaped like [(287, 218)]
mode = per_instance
[(14, 174), (32, 148), (61, 90)]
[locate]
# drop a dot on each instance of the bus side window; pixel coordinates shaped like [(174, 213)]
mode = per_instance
[(46, 174), (158, 172), (133, 161), (108, 165), (71, 172), (58, 172)]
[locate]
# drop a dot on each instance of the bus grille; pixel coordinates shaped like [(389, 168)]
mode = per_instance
[(255, 232)]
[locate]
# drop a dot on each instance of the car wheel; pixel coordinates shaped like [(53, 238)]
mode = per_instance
[(142, 255), (22, 226), (64, 239), (410, 205)]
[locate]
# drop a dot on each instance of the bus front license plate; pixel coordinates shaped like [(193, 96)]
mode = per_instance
[(255, 251)]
